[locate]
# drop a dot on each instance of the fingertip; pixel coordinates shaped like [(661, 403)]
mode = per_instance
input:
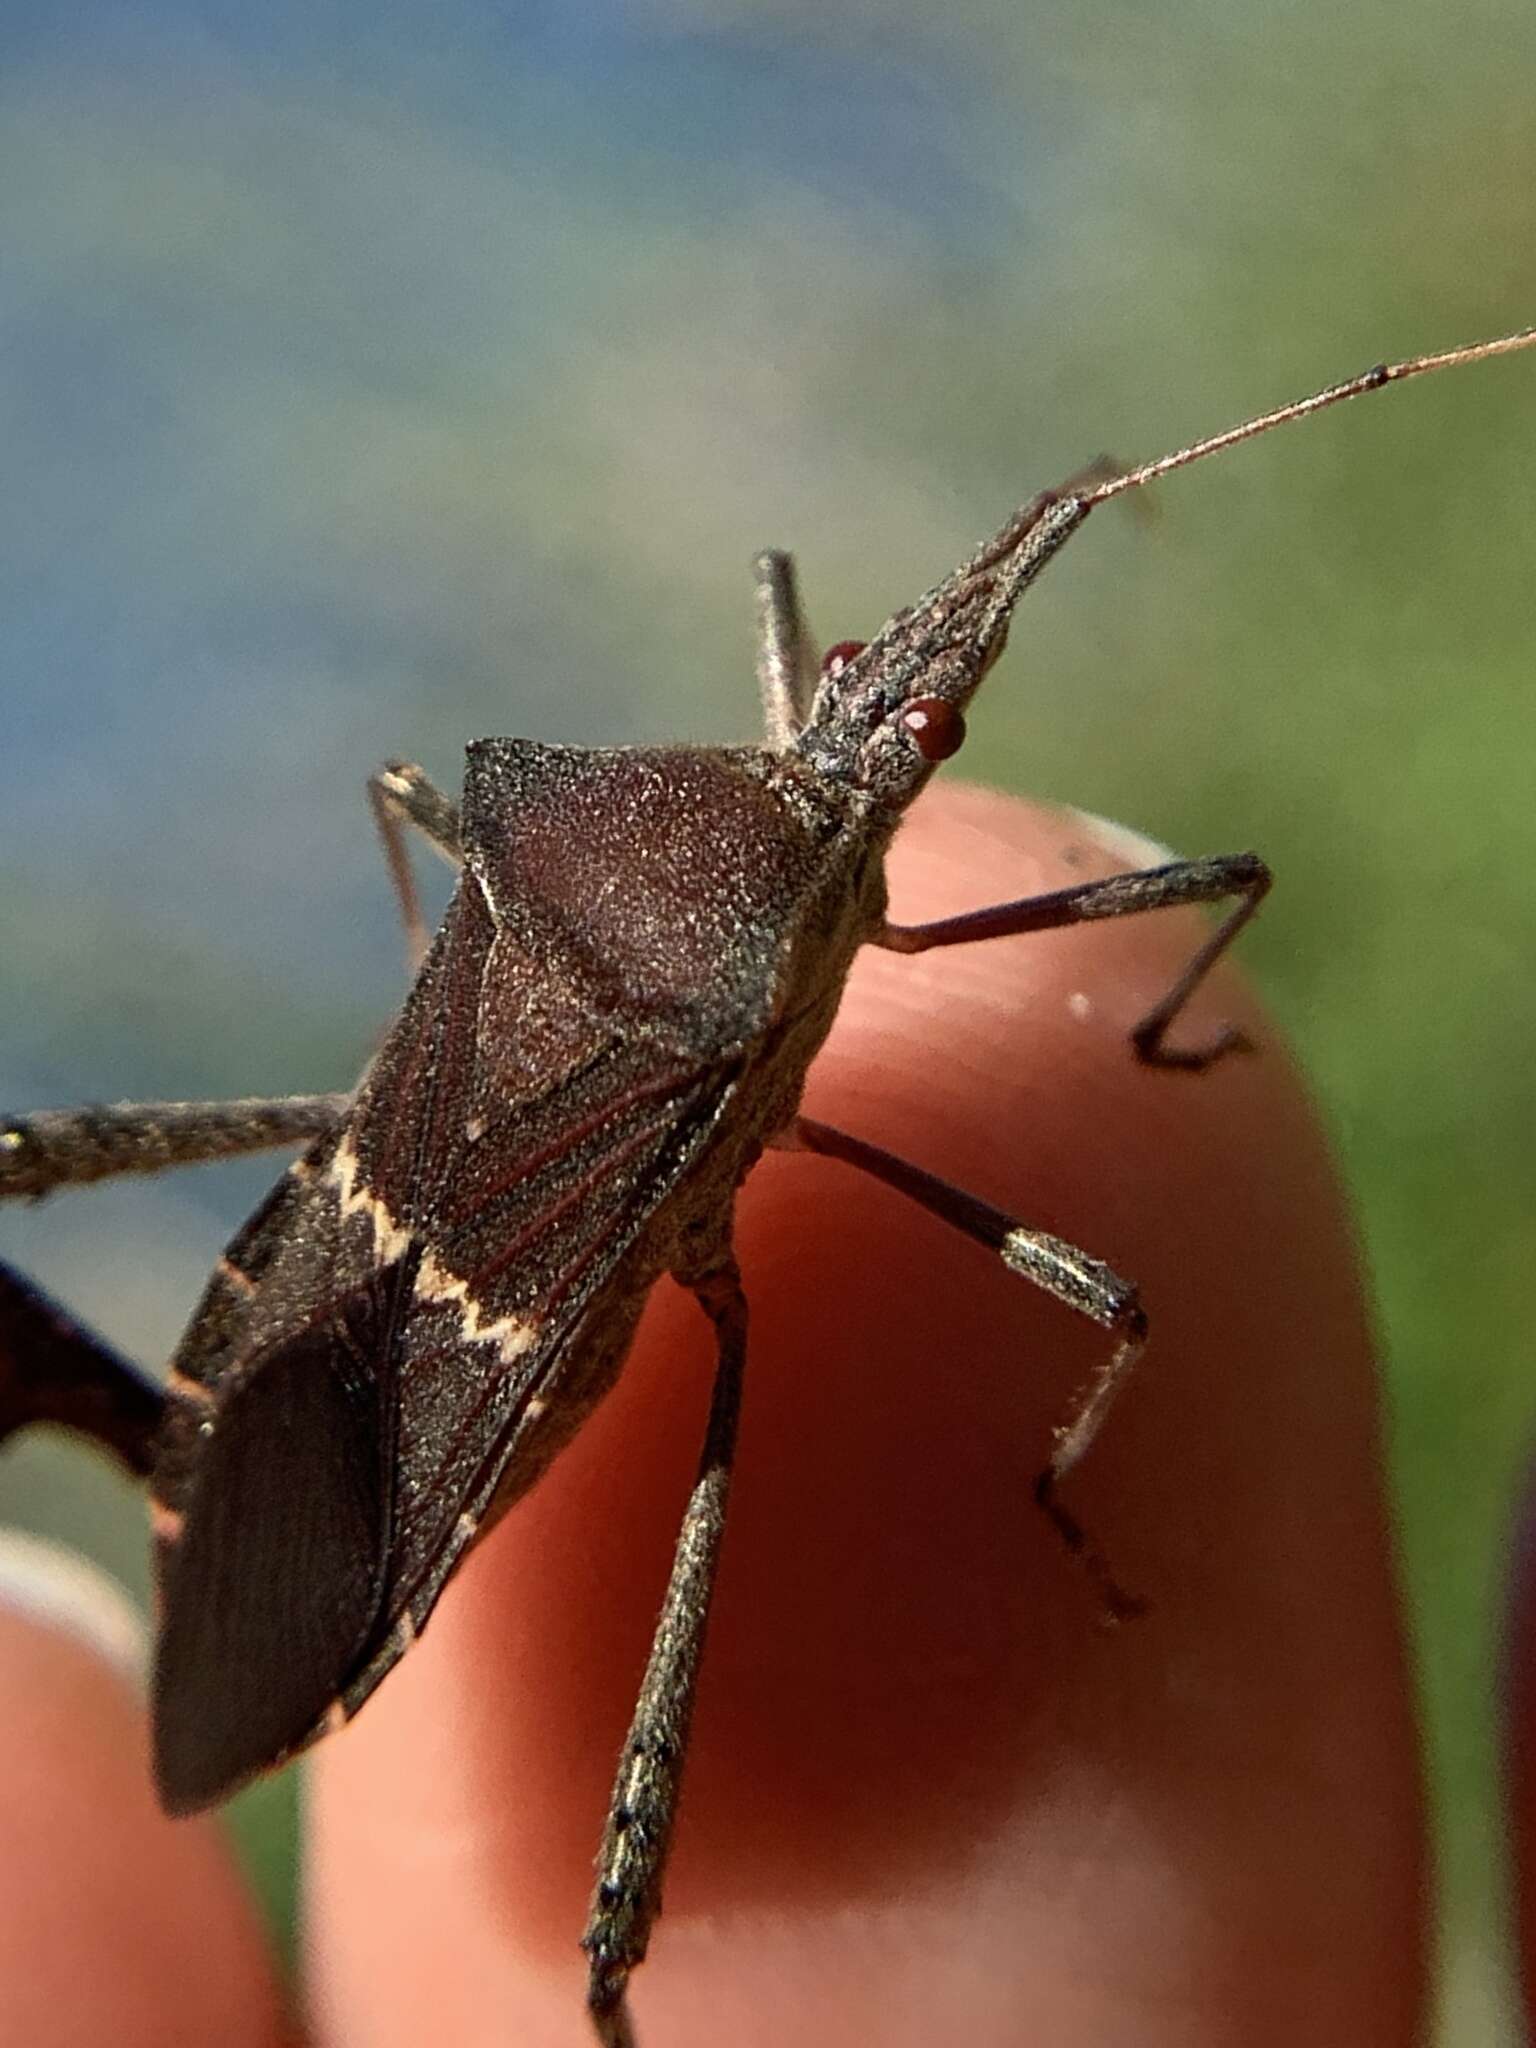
[(116, 1924), (910, 1722)]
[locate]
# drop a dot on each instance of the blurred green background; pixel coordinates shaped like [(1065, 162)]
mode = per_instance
[(378, 377)]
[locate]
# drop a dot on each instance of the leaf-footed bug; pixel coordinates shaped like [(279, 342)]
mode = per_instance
[(644, 951)]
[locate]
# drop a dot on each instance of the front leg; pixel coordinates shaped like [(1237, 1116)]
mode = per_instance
[(1181, 881), (633, 1858), (786, 656), (403, 794)]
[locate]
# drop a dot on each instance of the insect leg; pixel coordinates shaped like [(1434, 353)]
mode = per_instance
[(402, 794), (633, 1857), (786, 656), (68, 1147), (53, 1370), (1084, 1284), (1181, 881)]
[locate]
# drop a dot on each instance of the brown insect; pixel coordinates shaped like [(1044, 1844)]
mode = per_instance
[(644, 952)]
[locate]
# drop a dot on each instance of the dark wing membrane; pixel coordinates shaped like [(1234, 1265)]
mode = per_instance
[(274, 1583), (271, 1485), (355, 1380)]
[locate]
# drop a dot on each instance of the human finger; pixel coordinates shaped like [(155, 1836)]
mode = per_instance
[(930, 1797)]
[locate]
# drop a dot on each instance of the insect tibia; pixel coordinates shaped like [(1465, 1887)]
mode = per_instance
[(54, 1370), (882, 720)]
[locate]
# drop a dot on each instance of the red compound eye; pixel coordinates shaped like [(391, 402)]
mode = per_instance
[(839, 654), (937, 727)]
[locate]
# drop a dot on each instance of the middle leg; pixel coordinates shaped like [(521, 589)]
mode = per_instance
[(1085, 1285)]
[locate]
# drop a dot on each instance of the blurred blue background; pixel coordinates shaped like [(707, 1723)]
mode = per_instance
[(375, 377)]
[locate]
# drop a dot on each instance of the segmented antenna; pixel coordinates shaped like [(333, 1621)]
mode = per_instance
[(1302, 408)]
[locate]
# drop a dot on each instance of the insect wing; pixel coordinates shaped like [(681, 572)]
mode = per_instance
[(514, 1136), (348, 1396), (276, 1578)]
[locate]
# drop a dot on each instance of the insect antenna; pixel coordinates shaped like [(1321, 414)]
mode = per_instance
[(1302, 408)]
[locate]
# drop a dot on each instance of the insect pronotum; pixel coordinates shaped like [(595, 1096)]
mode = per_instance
[(644, 951)]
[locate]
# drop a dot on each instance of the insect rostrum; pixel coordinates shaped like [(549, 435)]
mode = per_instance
[(643, 953)]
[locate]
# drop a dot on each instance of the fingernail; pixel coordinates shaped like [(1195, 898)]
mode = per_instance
[(59, 1588), (1124, 842)]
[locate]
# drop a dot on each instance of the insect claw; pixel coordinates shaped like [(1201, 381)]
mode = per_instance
[(1146, 1042), (1118, 1604)]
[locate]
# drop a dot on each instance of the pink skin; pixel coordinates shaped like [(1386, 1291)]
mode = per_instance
[(930, 1798)]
